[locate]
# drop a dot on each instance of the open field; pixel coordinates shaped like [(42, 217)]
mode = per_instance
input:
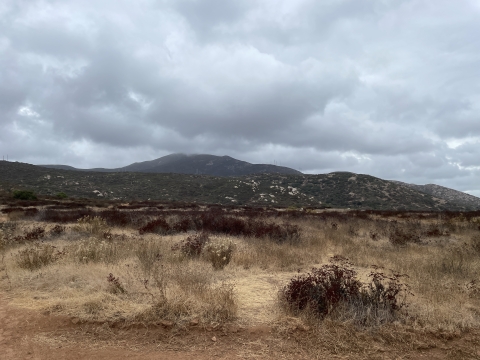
[(153, 280)]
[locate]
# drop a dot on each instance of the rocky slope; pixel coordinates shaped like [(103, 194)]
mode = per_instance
[(446, 194), (338, 190)]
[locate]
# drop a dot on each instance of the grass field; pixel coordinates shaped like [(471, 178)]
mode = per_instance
[(385, 284)]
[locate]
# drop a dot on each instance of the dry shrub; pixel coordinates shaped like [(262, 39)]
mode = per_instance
[(159, 226), (219, 253), (192, 246), (148, 254), (57, 230), (34, 234), (35, 256), (114, 285), (184, 292), (401, 235), (334, 290), (95, 226)]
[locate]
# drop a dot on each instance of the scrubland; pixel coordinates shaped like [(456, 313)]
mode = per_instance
[(353, 284)]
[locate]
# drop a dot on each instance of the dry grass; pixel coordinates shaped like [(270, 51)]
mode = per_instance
[(158, 284)]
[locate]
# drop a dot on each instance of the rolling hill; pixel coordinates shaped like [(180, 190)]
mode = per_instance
[(338, 189)]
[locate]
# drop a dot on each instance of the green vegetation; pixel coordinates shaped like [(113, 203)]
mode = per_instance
[(24, 195), (62, 195), (339, 190)]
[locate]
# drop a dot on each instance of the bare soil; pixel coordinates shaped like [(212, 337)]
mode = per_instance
[(27, 334)]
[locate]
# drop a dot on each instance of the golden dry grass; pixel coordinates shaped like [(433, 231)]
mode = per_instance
[(158, 284)]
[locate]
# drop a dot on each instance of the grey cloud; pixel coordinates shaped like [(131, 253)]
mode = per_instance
[(371, 87)]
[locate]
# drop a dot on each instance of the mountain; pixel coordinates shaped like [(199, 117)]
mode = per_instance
[(193, 164), (337, 190), (446, 194)]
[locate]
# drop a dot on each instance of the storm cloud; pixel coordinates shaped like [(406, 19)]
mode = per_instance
[(388, 88)]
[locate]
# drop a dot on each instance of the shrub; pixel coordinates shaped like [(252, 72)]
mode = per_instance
[(335, 289), (158, 225), (192, 246), (24, 195), (219, 253), (92, 225), (402, 236), (57, 230), (36, 256), (321, 290), (148, 255), (36, 233), (62, 195), (114, 285)]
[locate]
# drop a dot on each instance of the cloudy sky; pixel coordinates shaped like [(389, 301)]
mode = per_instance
[(389, 88)]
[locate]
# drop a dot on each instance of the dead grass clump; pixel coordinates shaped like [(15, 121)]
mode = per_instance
[(95, 226), (94, 249), (35, 256), (185, 291)]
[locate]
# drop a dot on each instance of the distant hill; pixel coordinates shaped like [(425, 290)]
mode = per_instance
[(337, 190), (193, 164), (447, 194)]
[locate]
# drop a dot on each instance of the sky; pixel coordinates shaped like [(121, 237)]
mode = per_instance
[(389, 88)]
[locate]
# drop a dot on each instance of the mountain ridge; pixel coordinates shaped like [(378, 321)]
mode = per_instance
[(199, 164), (337, 189)]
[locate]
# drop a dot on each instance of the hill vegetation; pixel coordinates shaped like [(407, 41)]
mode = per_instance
[(339, 189)]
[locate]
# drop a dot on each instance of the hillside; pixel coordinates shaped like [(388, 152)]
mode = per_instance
[(447, 194), (339, 189), (193, 164)]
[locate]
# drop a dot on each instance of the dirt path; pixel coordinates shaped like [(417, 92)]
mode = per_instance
[(25, 334)]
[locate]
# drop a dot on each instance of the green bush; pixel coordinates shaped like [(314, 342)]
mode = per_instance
[(62, 195), (24, 195)]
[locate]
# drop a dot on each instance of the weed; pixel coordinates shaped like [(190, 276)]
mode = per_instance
[(57, 230), (192, 246), (148, 253), (114, 285), (219, 253), (95, 226), (95, 249), (36, 256)]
